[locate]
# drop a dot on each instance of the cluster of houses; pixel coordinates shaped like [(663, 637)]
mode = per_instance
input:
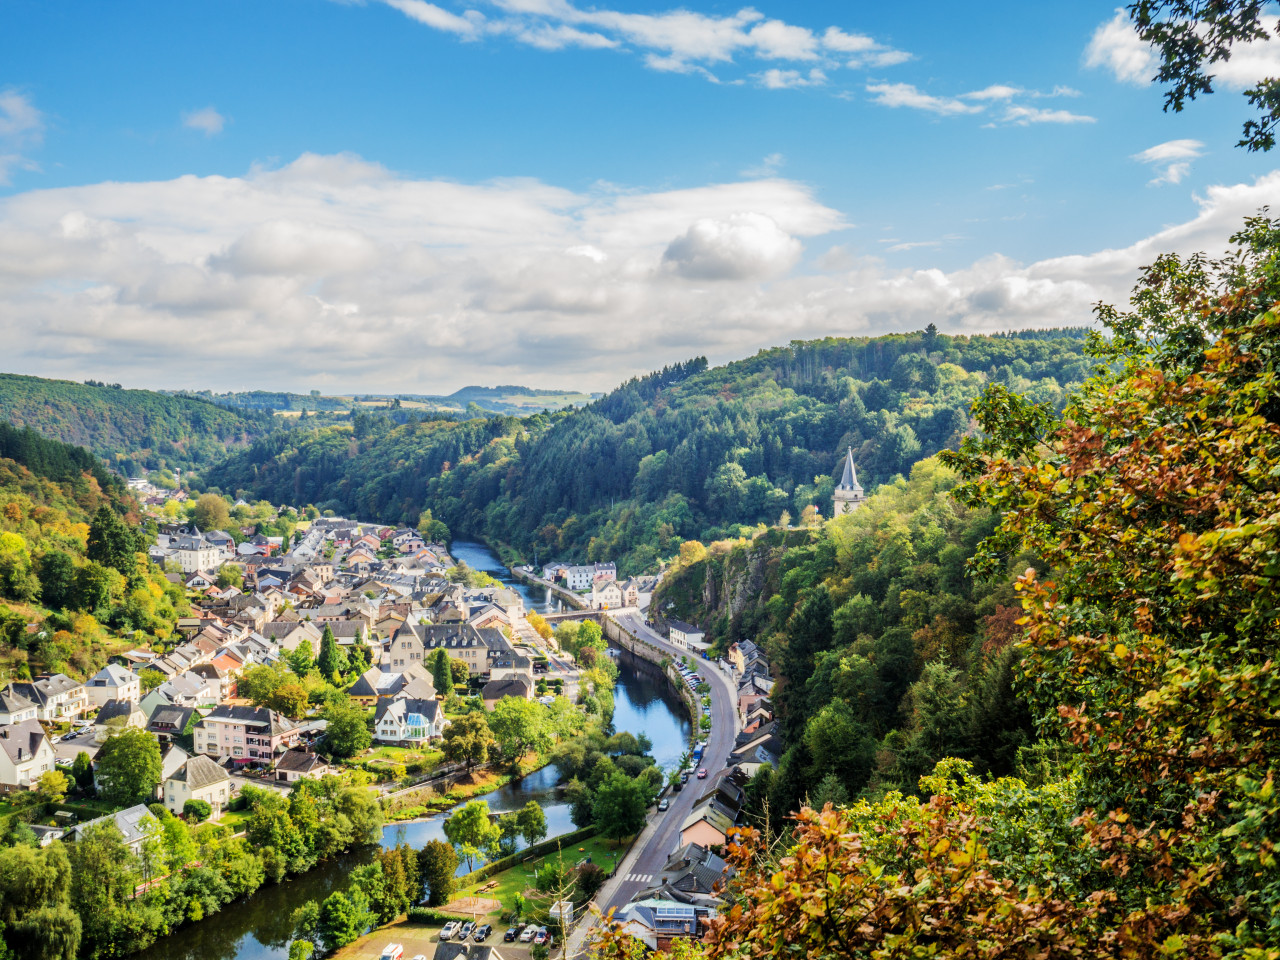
[(382, 592), (601, 581), (689, 890)]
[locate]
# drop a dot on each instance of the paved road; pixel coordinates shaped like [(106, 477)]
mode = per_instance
[(646, 863)]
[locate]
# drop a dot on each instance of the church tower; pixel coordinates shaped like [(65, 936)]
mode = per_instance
[(848, 494)]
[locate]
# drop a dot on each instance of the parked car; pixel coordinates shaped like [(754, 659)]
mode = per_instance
[(511, 934), (55, 739), (541, 936), (482, 932), (528, 933), (392, 951), (663, 804), (468, 928), (419, 956), (62, 761), (449, 930), (702, 773)]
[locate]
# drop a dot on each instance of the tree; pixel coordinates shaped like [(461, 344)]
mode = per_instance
[(230, 575), (128, 766), (333, 659), (52, 786), (82, 770), (150, 679), (302, 658), (471, 831), (1190, 36), (468, 740), (531, 822), (57, 572), (518, 726), (347, 732), (343, 918), (301, 950), (197, 810), (441, 674), (290, 698), (438, 864), (620, 807), (461, 672), (259, 684), (211, 512), (111, 542)]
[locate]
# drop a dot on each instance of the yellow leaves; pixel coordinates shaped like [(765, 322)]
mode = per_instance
[(1121, 651)]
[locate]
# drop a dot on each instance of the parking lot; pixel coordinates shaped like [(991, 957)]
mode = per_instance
[(422, 940)]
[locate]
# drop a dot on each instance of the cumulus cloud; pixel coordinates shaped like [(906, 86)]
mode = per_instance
[(1116, 46), (745, 246), (208, 121), (775, 79), (386, 282), (1171, 159), (1024, 115)]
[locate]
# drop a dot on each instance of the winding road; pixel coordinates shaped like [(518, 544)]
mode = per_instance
[(647, 857)]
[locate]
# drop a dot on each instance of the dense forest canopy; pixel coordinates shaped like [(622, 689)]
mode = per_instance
[(131, 429), (687, 452)]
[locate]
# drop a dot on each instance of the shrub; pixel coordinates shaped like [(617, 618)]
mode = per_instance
[(197, 810)]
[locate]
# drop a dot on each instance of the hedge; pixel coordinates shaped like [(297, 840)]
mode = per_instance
[(428, 915), (537, 850)]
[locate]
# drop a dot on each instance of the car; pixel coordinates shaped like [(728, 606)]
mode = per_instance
[(392, 951), (419, 956), (664, 804), (528, 933), (540, 937), (702, 773), (467, 929), (482, 932), (55, 739), (511, 934), (449, 930), (62, 761)]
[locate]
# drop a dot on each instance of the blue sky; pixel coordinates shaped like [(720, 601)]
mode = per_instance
[(534, 190)]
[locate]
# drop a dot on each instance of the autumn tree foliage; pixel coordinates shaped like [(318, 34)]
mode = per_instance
[(1145, 820)]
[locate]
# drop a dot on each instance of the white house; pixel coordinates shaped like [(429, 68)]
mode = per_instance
[(135, 824), (55, 696), (408, 721), (25, 754), (685, 635), (607, 595), (14, 707), (113, 682), (194, 553), (580, 578), (198, 779)]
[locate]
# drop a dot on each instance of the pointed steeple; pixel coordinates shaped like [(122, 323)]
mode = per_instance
[(850, 479)]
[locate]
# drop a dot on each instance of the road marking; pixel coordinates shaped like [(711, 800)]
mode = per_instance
[(639, 877)]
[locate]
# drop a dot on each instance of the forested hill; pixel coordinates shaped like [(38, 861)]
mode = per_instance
[(130, 429), (688, 452)]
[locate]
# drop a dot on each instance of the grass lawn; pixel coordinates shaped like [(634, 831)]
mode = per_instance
[(235, 819), (406, 755), (520, 878)]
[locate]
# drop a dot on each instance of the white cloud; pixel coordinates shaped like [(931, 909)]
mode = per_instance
[(775, 79), (1171, 159), (393, 283), (437, 18), (906, 95), (673, 41), (208, 121), (21, 126), (997, 91), (745, 246), (767, 167), (1116, 46), (1023, 115)]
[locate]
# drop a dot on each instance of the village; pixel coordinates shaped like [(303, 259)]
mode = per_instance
[(389, 607)]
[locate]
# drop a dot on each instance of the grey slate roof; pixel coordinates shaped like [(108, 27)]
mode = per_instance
[(11, 701), (22, 740), (200, 771), (114, 709)]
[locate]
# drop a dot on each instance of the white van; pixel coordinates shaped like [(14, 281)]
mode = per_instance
[(393, 951)]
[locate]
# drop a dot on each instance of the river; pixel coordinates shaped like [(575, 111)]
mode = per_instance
[(259, 927), (479, 557)]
